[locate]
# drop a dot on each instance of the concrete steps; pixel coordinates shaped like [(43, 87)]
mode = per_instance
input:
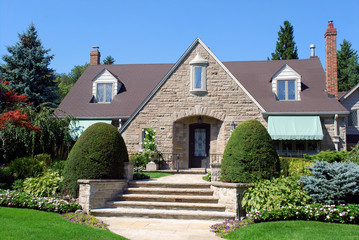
[(154, 199)]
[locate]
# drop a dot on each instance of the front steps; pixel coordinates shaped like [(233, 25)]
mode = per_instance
[(166, 200)]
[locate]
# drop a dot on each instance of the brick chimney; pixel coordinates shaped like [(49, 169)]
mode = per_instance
[(95, 56), (331, 73)]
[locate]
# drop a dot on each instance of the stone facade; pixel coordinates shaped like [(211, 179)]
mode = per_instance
[(174, 108), (328, 126)]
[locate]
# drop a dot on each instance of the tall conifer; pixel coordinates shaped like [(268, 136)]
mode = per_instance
[(27, 69), (285, 47), (348, 66)]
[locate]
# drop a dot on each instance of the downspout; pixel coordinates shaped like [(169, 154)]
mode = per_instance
[(336, 132)]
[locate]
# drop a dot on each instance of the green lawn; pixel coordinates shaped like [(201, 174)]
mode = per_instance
[(298, 230), (31, 224), (157, 174)]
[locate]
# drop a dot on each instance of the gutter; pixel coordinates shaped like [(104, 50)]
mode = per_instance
[(304, 113)]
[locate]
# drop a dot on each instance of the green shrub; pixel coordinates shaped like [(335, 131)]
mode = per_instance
[(140, 176), (353, 155), (99, 153), (58, 165), (44, 157), (17, 199), (25, 167), (18, 185), (6, 178), (332, 183), (270, 194), (329, 156), (208, 177), (47, 185), (315, 212), (250, 155), (294, 166)]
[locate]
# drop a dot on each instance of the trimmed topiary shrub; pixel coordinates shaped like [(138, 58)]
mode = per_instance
[(250, 155), (99, 153), (332, 183)]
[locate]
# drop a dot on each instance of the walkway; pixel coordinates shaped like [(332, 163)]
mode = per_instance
[(163, 229)]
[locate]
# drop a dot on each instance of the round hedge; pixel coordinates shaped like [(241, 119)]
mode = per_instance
[(250, 155), (99, 153)]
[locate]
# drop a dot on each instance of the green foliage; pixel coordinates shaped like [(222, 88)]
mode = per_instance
[(353, 155), (270, 194), (149, 142), (25, 200), (329, 156), (348, 66), (54, 138), (6, 178), (294, 167), (222, 229), (25, 167), (207, 177), (18, 185), (109, 60), (285, 46), (158, 174), (250, 154), (332, 183), (46, 185), (67, 81), (86, 220), (27, 69), (99, 153), (315, 212), (140, 176)]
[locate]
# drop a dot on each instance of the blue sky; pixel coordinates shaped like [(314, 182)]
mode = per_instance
[(160, 31)]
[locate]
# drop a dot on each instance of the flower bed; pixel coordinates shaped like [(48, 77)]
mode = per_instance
[(222, 229), (86, 220), (315, 212), (17, 199)]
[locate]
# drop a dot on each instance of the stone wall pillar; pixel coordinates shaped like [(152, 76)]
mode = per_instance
[(230, 195), (129, 170), (94, 193), (215, 172)]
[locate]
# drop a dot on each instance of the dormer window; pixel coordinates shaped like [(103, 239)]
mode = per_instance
[(198, 74), (105, 86), (104, 92), (286, 84)]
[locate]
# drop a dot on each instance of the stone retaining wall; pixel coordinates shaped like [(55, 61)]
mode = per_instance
[(94, 193)]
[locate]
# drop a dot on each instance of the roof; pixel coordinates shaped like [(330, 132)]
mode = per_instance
[(141, 81), (255, 76), (138, 82), (344, 95)]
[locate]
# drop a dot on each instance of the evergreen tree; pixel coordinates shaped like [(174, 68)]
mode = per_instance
[(285, 47), (109, 60), (27, 69), (348, 66)]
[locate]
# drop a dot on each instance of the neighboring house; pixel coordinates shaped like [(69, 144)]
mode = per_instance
[(195, 103), (350, 101)]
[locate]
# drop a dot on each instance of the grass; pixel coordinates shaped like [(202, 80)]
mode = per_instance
[(298, 230), (157, 174), (17, 223)]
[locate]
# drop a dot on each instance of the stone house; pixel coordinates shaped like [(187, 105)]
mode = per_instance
[(195, 103)]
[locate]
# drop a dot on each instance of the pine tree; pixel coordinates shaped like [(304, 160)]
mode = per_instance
[(27, 69), (109, 60), (285, 47), (348, 66)]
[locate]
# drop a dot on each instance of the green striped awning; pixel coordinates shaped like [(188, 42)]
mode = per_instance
[(295, 128), (79, 126)]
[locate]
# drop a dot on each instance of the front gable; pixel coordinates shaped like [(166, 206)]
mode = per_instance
[(284, 74), (103, 79)]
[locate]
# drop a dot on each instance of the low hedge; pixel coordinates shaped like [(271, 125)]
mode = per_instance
[(9, 198), (314, 212), (293, 167)]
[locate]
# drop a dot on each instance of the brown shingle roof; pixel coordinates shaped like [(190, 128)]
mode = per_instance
[(140, 79)]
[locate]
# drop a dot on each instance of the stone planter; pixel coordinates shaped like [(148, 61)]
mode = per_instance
[(215, 172), (151, 166)]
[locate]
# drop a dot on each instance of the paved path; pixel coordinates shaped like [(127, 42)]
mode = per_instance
[(163, 229)]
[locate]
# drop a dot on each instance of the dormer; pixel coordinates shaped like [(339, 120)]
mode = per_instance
[(198, 74), (287, 84), (105, 86)]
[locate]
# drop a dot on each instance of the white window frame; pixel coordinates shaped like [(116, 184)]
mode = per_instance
[(104, 91), (286, 89), (286, 73), (105, 77), (198, 63)]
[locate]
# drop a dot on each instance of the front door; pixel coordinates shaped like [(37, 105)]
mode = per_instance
[(199, 139)]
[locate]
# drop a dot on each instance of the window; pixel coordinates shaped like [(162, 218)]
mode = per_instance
[(198, 74), (286, 90), (353, 118), (104, 92)]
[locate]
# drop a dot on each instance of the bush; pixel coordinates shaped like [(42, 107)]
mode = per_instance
[(25, 167), (294, 166), (353, 155), (86, 220), (270, 194), (250, 155), (140, 176), (99, 153), (329, 156), (49, 184), (315, 212), (17, 199), (6, 178), (332, 183)]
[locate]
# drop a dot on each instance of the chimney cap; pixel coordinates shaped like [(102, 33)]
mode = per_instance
[(330, 21), (312, 46), (95, 47)]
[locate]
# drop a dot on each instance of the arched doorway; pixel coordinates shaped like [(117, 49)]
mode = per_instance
[(199, 144)]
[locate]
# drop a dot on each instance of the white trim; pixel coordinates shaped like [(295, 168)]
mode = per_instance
[(350, 92), (293, 75), (175, 66), (116, 84)]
